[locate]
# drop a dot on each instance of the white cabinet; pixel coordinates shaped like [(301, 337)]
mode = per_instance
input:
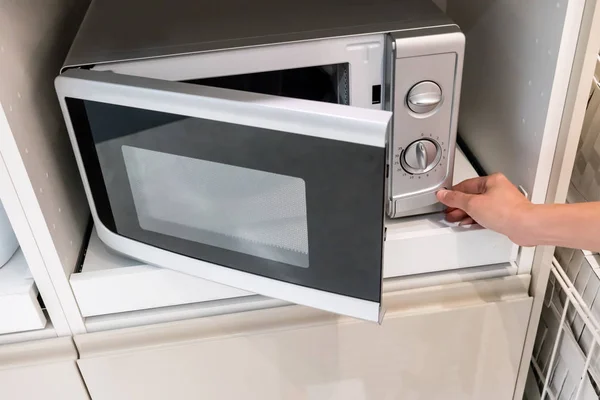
[(450, 334), (43, 369), (19, 308), (493, 125), (38, 179), (457, 341)]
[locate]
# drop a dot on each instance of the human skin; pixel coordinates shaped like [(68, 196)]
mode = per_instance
[(495, 203)]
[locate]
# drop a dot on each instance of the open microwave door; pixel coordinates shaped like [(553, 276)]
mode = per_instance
[(276, 196)]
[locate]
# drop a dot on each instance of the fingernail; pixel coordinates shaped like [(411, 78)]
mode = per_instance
[(441, 194)]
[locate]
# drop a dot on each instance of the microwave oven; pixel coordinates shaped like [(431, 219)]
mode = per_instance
[(261, 144)]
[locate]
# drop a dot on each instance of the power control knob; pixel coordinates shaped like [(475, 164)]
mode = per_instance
[(421, 156), (424, 97)]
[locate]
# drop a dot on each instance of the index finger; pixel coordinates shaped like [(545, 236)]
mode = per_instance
[(472, 186)]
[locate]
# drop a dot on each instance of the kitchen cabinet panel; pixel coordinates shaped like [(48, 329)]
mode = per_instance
[(459, 341), (42, 369)]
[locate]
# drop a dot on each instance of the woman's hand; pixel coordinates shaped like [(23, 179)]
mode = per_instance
[(497, 204), (492, 202)]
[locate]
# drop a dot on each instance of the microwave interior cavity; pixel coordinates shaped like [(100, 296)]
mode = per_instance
[(326, 83)]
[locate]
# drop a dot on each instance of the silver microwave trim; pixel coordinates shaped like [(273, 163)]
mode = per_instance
[(407, 45), (365, 54)]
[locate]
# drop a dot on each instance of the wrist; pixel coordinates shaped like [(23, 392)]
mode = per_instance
[(528, 223)]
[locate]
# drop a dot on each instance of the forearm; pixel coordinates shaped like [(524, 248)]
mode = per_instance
[(565, 225)]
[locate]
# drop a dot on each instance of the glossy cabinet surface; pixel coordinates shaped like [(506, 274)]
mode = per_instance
[(458, 341), (42, 369)]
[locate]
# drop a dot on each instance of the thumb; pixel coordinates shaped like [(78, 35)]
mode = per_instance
[(455, 199)]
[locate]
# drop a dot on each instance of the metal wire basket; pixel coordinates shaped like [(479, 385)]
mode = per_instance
[(566, 356)]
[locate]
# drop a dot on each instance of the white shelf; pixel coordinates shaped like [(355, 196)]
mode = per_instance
[(428, 243), (20, 310), (19, 337), (255, 302), (110, 283)]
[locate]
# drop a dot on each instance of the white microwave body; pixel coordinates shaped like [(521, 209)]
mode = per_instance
[(266, 162)]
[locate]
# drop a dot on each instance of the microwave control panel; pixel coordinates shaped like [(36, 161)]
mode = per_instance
[(424, 102)]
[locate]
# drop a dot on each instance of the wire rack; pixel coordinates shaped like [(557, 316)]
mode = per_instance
[(566, 357)]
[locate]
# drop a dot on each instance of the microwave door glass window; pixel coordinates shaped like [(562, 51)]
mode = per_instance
[(239, 209)]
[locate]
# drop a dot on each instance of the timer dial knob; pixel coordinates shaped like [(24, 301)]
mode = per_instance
[(424, 97), (421, 156)]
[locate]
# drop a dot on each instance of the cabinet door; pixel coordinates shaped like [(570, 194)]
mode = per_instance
[(43, 369), (278, 196), (460, 341)]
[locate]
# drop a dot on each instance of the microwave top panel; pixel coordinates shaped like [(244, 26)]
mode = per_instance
[(117, 30)]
